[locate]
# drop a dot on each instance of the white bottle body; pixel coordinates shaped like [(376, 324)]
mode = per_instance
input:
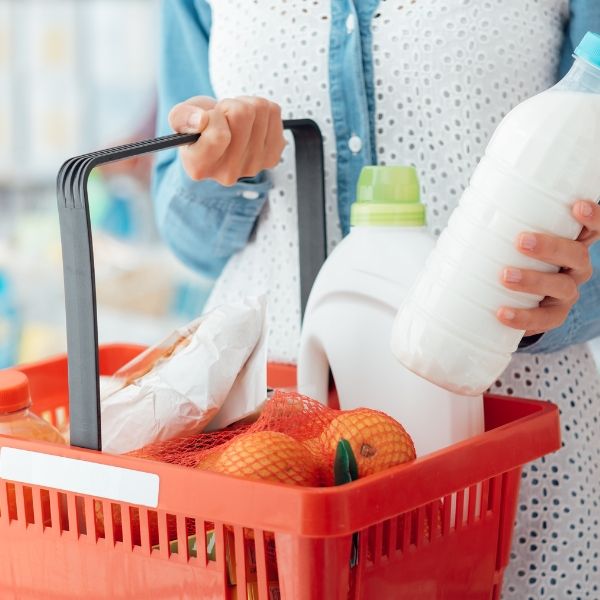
[(346, 329), (542, 158)]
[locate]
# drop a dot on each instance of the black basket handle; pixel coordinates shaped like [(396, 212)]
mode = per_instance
[(78, 257)]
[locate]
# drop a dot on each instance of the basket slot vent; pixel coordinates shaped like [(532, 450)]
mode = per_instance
[(120, 521), (411, 529), (240, 549), (386, 539), (260, 548), (91, 525), (60, 417), (151, 525), (37, 507), (134, 528), (405, 531), (45, 508), (420, 530), (163, 519), (126, 526), (182, 549), (172, 531), (11, 499), (370, 554), (202, 550), (434, 520), (189, 530), (377, 543), (485, 494), (459, 509), (63, 513), (217, 551), (103, 524), (77, 515), (26, 500), (447, 510), (474, 499), (145, 528), (494, 495)]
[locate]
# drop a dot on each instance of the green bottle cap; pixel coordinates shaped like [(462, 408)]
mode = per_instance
[(388, 196)]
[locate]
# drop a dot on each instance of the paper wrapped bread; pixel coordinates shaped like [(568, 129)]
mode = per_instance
[(216, 363)]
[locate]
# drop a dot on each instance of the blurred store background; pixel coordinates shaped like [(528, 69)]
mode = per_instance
[(76, 76)]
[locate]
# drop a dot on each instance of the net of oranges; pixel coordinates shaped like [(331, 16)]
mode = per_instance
[(296, 439)]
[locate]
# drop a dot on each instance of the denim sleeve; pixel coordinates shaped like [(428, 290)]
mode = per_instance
[(203, 222), (584, 17), (583, 322)]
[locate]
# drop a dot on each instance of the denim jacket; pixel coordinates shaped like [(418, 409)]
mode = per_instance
[(206, 223)]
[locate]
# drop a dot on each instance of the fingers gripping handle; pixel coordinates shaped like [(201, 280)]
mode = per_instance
[(78, 257)]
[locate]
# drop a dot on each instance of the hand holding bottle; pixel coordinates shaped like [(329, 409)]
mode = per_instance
[(560, 290)]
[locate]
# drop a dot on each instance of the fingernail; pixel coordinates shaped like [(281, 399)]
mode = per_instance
[(508, 314), (527, 241), (194, 119), (585, 209), (513, 275)]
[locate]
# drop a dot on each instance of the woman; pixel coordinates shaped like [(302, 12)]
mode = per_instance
[(421, 82)]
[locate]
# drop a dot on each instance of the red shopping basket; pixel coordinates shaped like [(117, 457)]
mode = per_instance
[(75, 522), (403, 552)]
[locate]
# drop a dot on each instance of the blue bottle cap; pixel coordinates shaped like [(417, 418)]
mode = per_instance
[(589, 49)]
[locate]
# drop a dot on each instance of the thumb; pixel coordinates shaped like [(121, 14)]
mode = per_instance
[(191, 116)]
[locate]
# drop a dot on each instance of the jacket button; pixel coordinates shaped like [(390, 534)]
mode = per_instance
[(350, 23), (355, 144)]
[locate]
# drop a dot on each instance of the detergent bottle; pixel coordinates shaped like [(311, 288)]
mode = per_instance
[(351, 311)]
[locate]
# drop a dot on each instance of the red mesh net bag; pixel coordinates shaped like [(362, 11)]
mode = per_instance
[(283, 445), (294, 441)]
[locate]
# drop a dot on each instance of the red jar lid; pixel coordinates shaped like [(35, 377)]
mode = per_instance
[(14, 391)]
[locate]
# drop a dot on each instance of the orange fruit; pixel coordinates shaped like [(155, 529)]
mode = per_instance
[(208, 461), (314, 445), (269, 456), (378, 441)]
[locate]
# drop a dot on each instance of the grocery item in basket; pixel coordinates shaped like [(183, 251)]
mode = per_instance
[(15, 417), (269, 456), (312, 432), (230, 560), (541, 159), (212, 370), (377, 441), (17, 420), (351, 312)]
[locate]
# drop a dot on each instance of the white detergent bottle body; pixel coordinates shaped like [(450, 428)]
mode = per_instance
[(351, 311), (543, 157)]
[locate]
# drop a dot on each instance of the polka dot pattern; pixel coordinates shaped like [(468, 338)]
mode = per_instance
[(555, 545), (279, 50), (446, 72)]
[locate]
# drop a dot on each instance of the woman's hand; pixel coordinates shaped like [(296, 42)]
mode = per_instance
[(560, 290), (240, 137)]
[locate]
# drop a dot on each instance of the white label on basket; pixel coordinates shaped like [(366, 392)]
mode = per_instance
[(79, 476)]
